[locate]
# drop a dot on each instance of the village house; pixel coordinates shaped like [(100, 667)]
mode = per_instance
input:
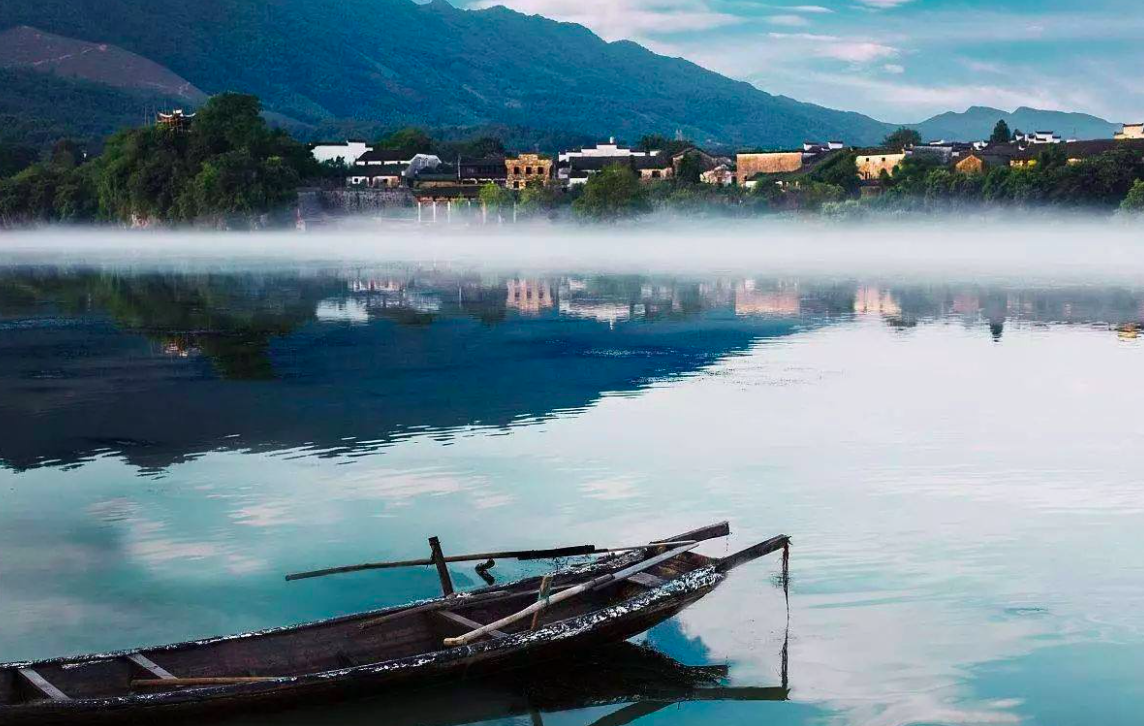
[(1039, 137), (485, 170), (721, 176), (653, 168), (346, 153), (1130, 131), (750, 164), (525, 168), (376, 176), (389, 168), (574, 166), (873, 162), (648, 168), (610, 149)]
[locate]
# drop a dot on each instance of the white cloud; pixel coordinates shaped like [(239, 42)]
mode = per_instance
[(788, 20), (813, 9), (624, 19), (838, 48), (883, 4), (862, 52), (894, 68)]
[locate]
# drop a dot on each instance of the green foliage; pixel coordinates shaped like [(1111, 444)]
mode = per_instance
[(690, 169), (494, 196), (1052, 156), (902, 138), (229, 167), (539, 198), (612, 194), (1100, 182), (840, 170), (15, 158), (705, 200), (409, 138), (1134, 200), (1001, 133), (671, 147), (47, 193), (910, 176)]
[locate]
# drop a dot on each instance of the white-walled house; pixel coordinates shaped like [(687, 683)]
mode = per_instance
[(389, 168), (348, 152), (609, 149), (1040, 137)]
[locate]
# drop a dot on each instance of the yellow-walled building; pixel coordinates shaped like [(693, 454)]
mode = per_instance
[(871, 166)]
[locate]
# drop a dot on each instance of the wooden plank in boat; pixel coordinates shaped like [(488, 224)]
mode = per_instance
[(42, 685), (647, 579), (469, 624), (149, 665)]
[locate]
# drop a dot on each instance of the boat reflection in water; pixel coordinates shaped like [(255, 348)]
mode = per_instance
[(637, 678)]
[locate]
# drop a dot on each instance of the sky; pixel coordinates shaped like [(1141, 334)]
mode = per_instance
[(897, 60)]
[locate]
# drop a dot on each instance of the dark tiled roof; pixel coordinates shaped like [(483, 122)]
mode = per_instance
[(1095, 147), (386, 155), (377, 170), (651, 162)]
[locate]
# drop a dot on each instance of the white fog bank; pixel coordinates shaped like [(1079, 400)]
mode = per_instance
[(1044, 250)]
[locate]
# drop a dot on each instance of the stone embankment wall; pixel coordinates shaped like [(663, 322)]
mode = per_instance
[(350, 201)]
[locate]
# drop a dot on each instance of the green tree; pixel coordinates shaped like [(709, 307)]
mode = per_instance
[(659, 142), (15, 158), (228, 165), (902, 138), (1051, 157), (840, 169), (409, 138), (1134, 200), (494, 196), (611, 194), (690, 168), (539, 198), (1001, 133)]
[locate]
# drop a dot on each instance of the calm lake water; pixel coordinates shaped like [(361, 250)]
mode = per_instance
[(958, 463)]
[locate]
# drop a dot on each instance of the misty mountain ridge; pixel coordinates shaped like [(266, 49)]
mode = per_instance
[(369, 65), (977, 122)]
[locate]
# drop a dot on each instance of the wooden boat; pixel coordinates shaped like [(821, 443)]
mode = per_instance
[(447, 638)]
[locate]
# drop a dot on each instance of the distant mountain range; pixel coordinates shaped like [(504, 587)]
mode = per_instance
[(361, 66), (977, 123)]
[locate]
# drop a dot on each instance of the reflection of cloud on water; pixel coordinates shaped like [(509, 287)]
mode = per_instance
[(614, 488)]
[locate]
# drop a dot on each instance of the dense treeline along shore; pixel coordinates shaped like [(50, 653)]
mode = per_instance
[(225, 167)]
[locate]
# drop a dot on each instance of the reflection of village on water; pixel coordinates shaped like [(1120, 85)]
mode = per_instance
[(616, 299)]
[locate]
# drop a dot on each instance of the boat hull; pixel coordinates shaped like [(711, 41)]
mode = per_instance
[(612, 624)]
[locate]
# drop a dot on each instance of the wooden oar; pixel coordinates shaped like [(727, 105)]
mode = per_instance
[(514, 554), (592, 584)]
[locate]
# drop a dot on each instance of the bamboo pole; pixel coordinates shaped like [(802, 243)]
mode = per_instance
[(574, 551), (170, 682), (571, 592)]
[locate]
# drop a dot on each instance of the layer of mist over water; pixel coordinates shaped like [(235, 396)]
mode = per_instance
[(944, 419), (1043, 248)]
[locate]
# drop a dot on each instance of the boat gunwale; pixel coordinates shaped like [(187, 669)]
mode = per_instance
[(703, 577), (460, 599)]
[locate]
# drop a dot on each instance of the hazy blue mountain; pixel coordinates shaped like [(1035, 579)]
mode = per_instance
[(977, 123), (394, 62)]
